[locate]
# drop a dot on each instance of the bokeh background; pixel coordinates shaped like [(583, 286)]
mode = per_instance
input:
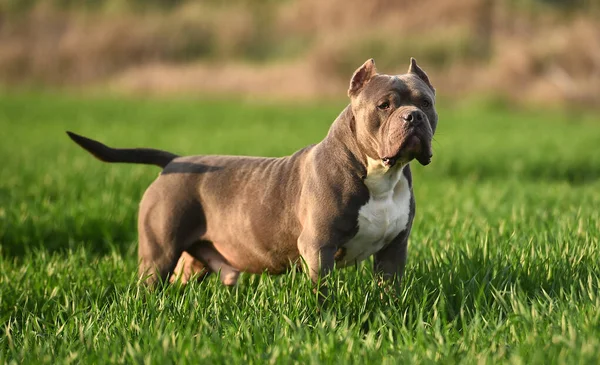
[(504, 253), (527, 51)]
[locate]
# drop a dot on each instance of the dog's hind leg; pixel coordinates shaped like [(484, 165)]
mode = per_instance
[(210, 257), (169, 223), (157, 253), (187, 268), (163, 231)]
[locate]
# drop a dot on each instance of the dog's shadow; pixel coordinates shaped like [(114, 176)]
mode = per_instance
[(97, 235)]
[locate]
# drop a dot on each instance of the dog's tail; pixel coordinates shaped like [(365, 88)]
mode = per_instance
[(104, 153)]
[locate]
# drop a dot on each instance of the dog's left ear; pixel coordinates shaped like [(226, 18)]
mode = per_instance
[(415, 69)]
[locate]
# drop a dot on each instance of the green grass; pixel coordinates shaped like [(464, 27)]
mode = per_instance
[(503, 258)]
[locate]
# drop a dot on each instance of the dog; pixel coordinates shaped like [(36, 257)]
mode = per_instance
[(332, 204)]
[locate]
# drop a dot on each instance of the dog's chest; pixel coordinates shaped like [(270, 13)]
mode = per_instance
[(382, 218)]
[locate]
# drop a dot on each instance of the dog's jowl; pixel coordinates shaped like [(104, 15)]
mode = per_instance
[(338, 202)]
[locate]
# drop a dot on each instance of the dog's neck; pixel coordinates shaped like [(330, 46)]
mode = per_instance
[(343, 139)]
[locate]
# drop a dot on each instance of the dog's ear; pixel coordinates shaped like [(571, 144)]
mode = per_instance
[(416, 70), (361, 77)]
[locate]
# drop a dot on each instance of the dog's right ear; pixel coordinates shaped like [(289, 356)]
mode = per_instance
[(361, 77)]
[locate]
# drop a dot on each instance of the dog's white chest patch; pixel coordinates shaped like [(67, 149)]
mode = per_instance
[(383, 217)]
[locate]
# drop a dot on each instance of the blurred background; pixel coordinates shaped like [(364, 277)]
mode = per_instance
[(505, 249), (525, 51)]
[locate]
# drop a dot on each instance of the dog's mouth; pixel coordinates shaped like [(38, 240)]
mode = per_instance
[(413, 147)]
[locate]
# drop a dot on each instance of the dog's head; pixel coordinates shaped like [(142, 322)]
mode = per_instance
[(395, 115)]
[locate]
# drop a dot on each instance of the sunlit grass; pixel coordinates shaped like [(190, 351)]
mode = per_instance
[(503, 259)]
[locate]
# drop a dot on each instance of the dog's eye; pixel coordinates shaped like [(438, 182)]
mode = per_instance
[(426, 104), (384, 106)]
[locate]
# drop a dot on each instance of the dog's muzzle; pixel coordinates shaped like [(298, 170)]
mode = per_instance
[(409, 140)]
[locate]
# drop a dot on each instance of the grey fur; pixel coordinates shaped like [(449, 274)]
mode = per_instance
[(231, 213)]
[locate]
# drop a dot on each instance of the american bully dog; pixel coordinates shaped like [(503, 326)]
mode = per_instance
[(332, 204)]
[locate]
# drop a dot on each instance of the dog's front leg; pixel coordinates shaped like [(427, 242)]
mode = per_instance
[(389, 263), (319, 261)]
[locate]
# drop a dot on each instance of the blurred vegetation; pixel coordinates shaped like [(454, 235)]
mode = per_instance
[(548, 49), (145, 5)]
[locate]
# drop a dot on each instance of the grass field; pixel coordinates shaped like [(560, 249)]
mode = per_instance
[(503, 258)]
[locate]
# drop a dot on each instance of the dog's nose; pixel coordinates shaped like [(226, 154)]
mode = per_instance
[(413, 116)]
